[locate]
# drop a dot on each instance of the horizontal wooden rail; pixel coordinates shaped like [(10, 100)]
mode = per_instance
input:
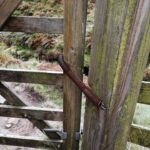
[(52, 78), (140, 135), (32, 142), (144, 96), (31, 112), (27, 76), (13, 99), (34, 25)]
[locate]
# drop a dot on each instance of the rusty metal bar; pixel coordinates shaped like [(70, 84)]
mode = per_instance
[(85, 89)]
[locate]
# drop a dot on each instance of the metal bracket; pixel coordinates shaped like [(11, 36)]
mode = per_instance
[(78, 136), (55, 134), (61, 135)]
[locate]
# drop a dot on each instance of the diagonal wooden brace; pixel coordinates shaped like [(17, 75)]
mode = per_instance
[(7, 7), (14, 100)]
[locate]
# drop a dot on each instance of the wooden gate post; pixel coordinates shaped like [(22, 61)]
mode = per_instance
[(120, 50), (74, 41)]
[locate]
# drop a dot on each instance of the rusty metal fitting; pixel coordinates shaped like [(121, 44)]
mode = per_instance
[(85, 89)]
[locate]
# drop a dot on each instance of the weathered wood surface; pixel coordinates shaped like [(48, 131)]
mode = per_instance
[(33, 142), (7, 7), (34, 25), (140, 135), (28, 76), (74, 41), (119, 55), (31, 112), (13, 99), (144, 96)]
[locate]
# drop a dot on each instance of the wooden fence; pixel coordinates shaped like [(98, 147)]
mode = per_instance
[(73, 26), (17, 108), (73, 38), (120, 51), (139, 134)]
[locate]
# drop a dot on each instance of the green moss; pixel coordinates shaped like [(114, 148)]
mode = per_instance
[(140, 135), (137, 73), (87, 60), (126, 28)]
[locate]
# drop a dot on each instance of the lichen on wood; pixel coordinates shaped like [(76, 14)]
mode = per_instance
[(116, 71), (140, 135)]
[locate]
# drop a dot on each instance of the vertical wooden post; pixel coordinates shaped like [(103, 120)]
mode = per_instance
[(120, 51), (74, 40)]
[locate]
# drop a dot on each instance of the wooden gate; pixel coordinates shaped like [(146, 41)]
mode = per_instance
[(17, 108), (106, 77)]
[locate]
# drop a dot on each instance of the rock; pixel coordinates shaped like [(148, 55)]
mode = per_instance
[(9, 125)]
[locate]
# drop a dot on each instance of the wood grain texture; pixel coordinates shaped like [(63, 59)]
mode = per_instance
[(74, 41), (144, 96), (140, 135), (31, 112), (34, 142), (109, 21), (131, 66), (119, 54), (7, 7), (28, 76), (34, 25)]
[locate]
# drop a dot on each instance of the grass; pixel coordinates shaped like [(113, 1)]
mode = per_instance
[(32, 7), (51, 93), (5, 58)]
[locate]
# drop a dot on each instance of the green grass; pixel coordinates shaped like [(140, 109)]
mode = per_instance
[(51, 93)]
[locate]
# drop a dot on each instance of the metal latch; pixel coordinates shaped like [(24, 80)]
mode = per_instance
[(55, 134), (85, 89)]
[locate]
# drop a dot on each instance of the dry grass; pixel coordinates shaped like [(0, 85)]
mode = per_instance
[(6, 59)]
